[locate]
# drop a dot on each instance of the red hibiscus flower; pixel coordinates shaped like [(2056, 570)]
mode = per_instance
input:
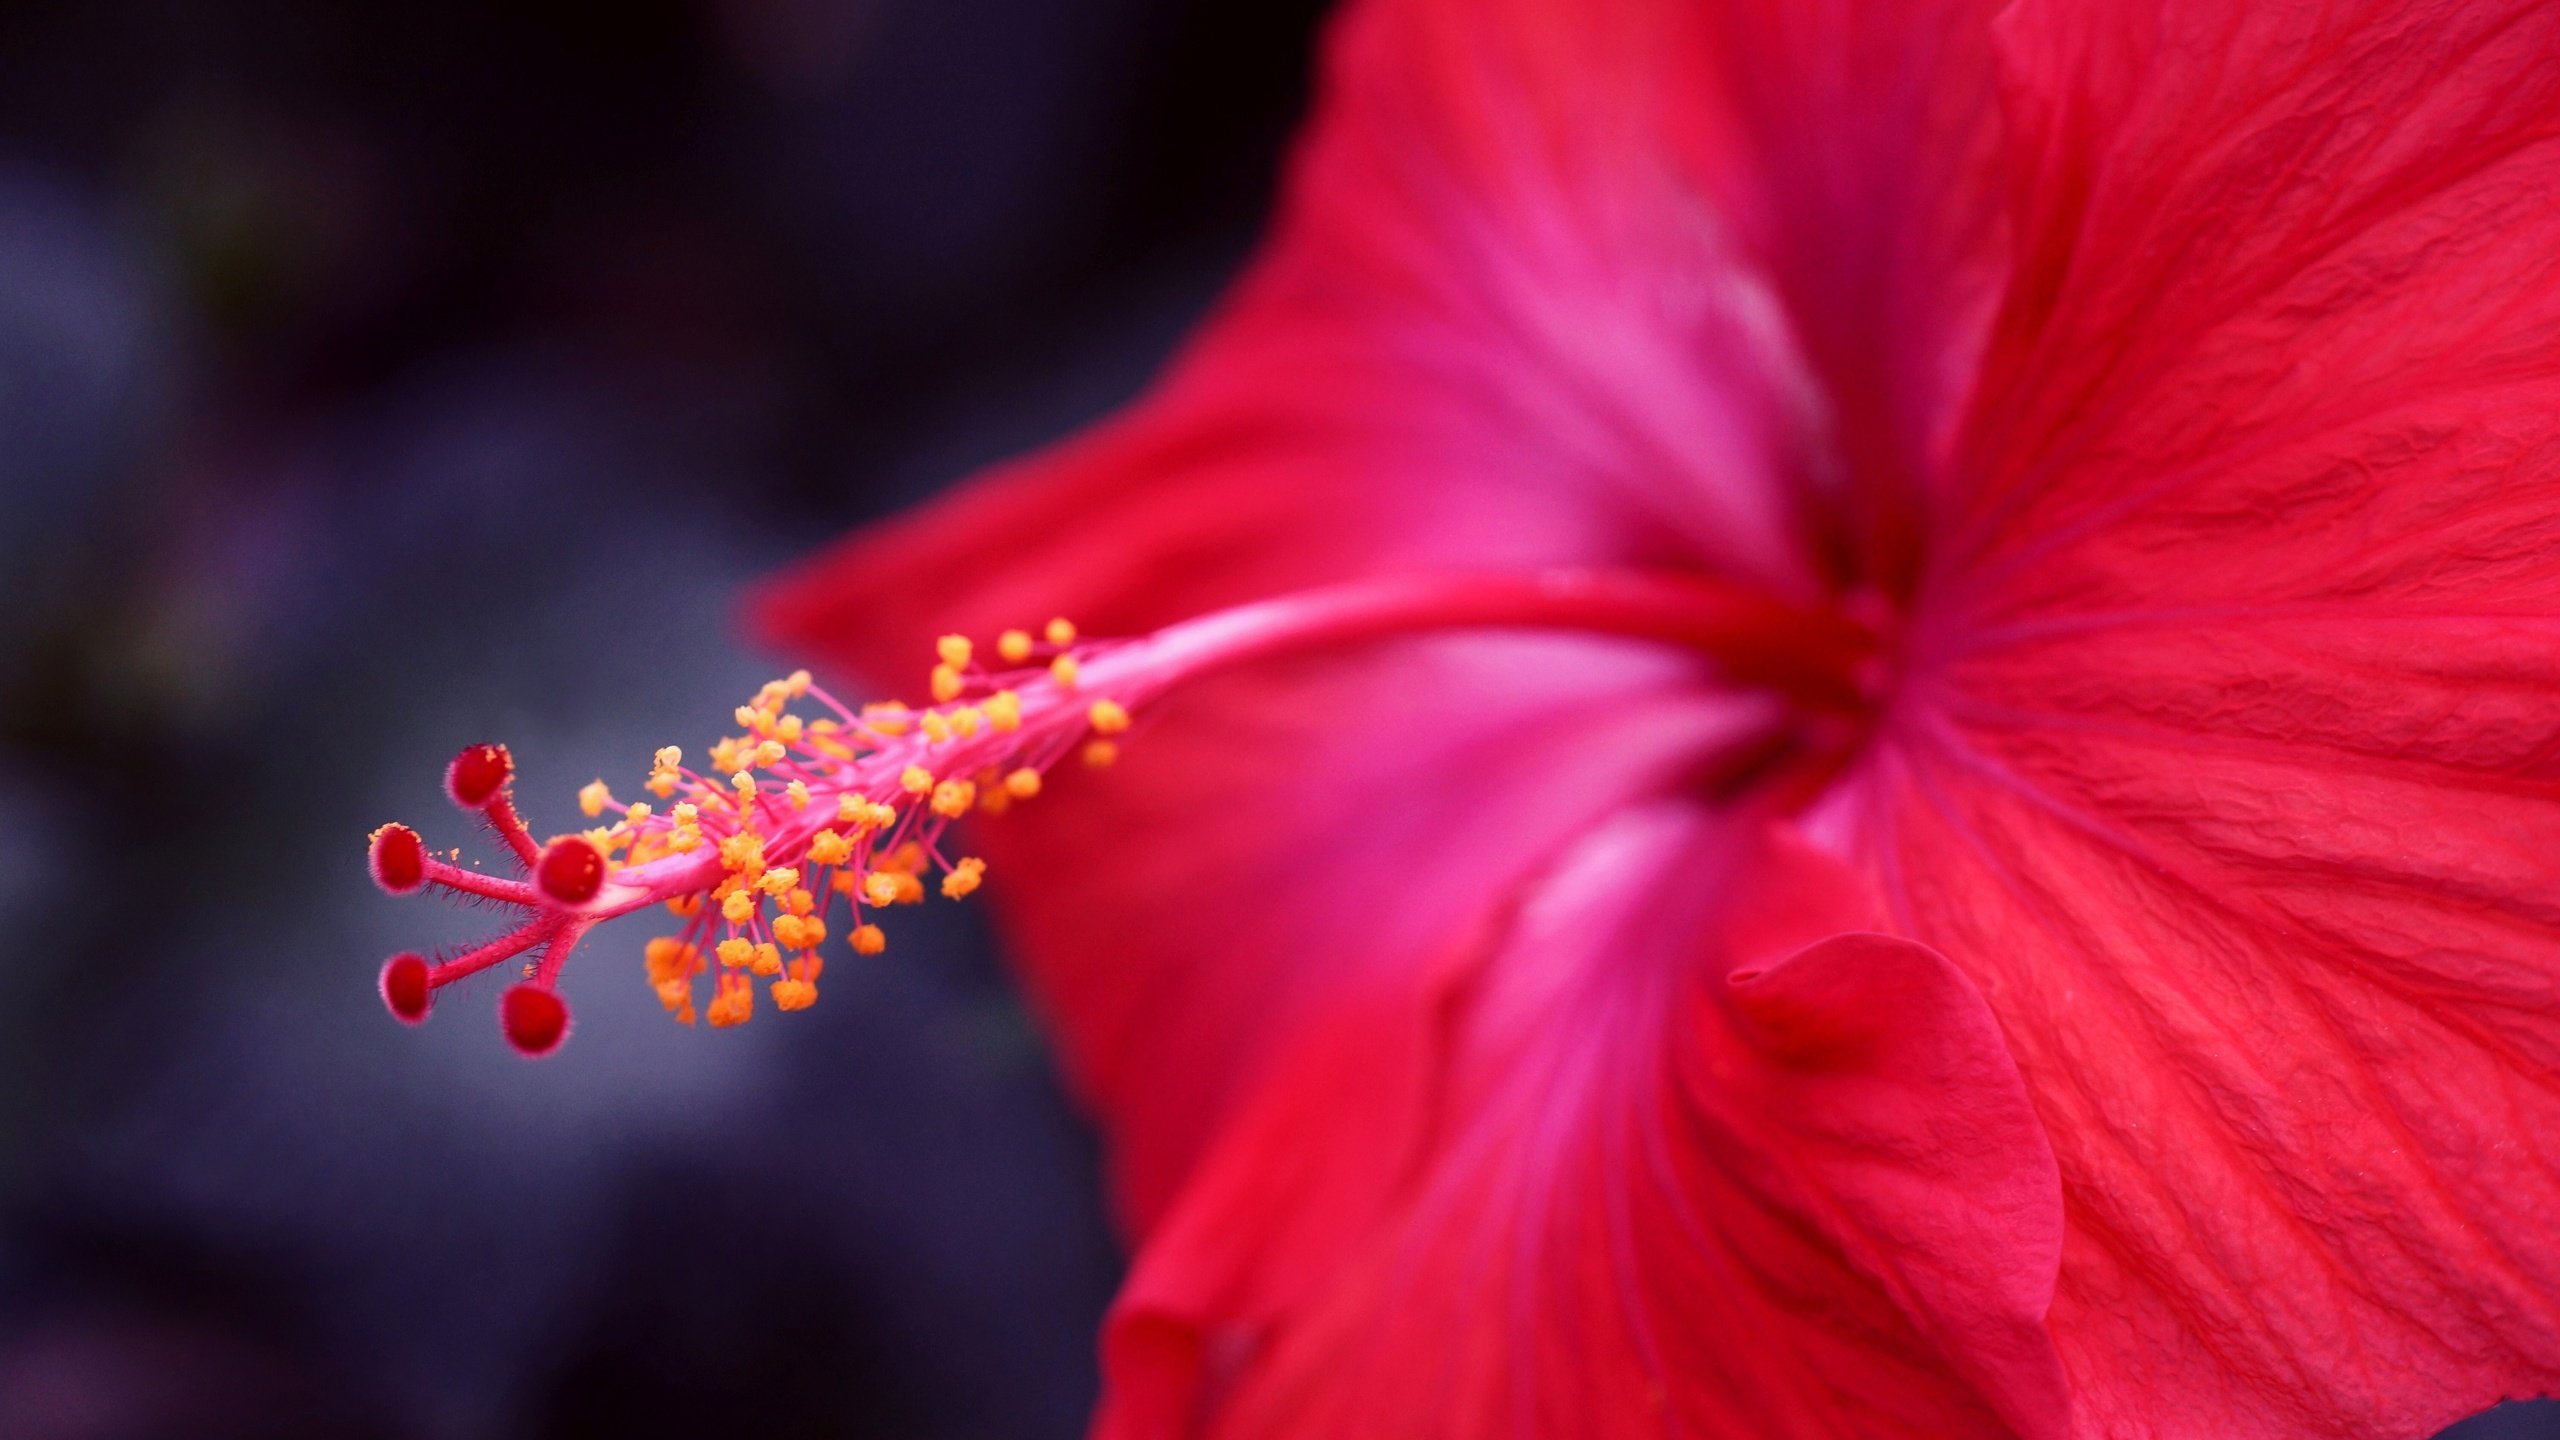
[(2012, 887)]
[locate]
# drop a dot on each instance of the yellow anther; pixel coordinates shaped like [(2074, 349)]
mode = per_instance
[(676, 995), (726, 755), (768, 960), (685, 839), (669, 757), (868, 940), (1100, 753), (850, 809), (798, 683), (770, 753), (787, 729), (881, 817), (669, 958), (1014, 646), (745, 783), (800, 902), (889, 719), (952, 798), (954, 650), (1060, 632), (779, 879), (910, 888), (739, 908), (915, 779), (734, 1004), (829, 848), (794, 994), (685, 813), (907, 859), (592, 798), (798, 790), (751, 718), (821, 726), (736, 951), (1022, 784), (964, 877), (880, 887), (1109, 717), (685, 907), (742, 851), (662, 784), (807, 932), (966, 720), (635, 814), (1004, 711), (947, 684), (936, 728), (786, 928), (1064, 670), (992, 800)]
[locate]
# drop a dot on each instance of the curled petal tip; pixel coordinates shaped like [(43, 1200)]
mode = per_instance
[(398, 859), (405, 990), (534, 1018), (477, 775)]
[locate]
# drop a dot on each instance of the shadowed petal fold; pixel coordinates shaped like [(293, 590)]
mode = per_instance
[(1574, 1181)]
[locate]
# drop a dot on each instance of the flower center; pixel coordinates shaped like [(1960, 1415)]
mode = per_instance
[(814, 803)]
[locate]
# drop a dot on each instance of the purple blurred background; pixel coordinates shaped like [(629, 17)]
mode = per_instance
[(376, 382)]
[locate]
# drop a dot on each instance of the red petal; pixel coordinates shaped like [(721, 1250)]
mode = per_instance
[(1858, 157), (1496, 328), (2235, 787), (1571, 1183)]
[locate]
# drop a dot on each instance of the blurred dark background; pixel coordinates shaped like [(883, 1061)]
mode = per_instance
[(375, 381)]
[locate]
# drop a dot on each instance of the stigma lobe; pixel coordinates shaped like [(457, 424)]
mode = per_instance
[(398, 858), (534, 1018), (405, 989), (478, 774), (571, 870)]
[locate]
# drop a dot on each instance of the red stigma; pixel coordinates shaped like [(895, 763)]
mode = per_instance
[(544, 892), (399, 859), (478, 774), (571, 870), (534, 1018), (405, 988)]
